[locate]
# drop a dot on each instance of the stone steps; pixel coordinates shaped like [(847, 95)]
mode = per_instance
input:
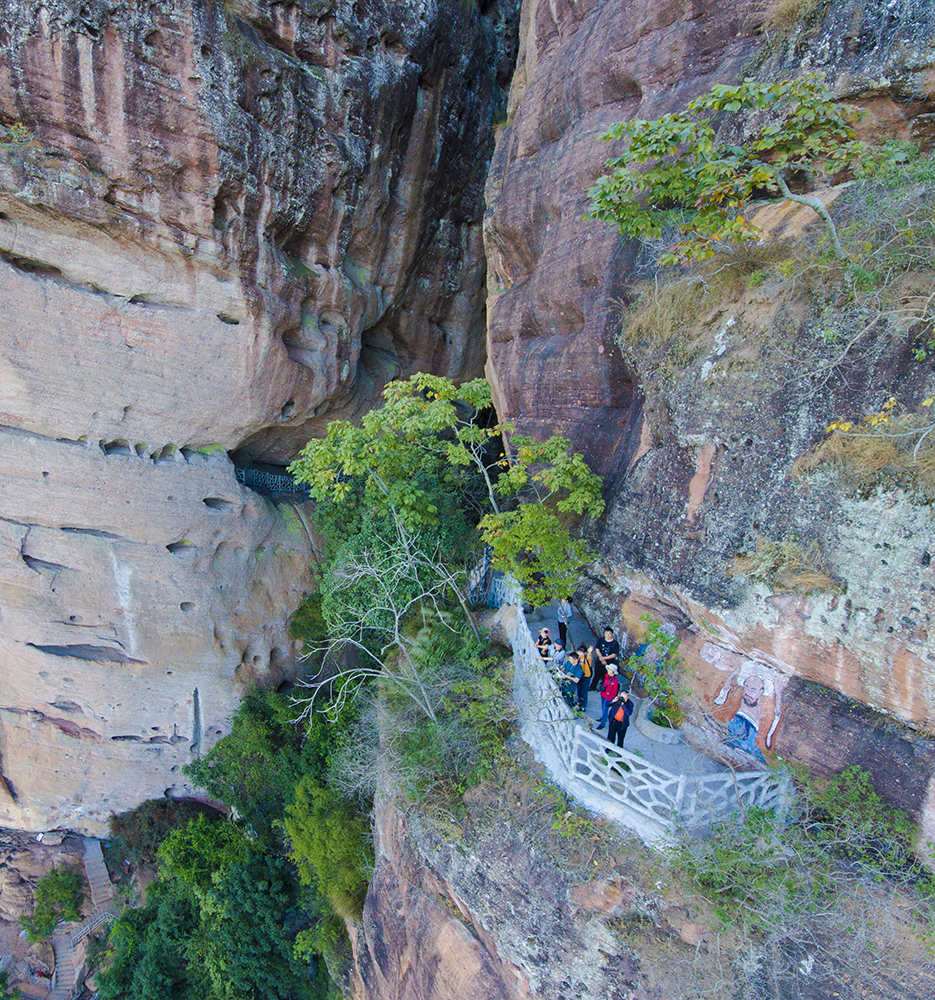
[(102, 889), (64, 967), (102, 894)]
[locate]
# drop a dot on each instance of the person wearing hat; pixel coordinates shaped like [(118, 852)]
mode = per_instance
[(621, 708), (544, 643), (556, 656), (610, 688)]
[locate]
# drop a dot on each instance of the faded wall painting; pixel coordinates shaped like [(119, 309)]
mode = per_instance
[(748, 705)]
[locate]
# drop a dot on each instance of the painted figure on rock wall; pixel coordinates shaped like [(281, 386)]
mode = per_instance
[(752, 696)]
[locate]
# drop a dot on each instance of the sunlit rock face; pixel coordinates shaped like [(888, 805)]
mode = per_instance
[(220, 226), (698, 434), (556, 283)]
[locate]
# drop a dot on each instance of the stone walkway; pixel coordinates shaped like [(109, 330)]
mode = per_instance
[(67, 935), (676, 758)]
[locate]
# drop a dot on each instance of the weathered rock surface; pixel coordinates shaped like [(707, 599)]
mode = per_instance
[(223, 224), (490, 917), (139, 597), (497, 905), (698, 437), (555, 282)]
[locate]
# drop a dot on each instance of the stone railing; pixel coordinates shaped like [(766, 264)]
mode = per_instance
[(268, 482), (90, 926), (611, 781)]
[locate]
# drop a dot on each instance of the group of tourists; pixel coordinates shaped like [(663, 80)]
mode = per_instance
[(589, 668)]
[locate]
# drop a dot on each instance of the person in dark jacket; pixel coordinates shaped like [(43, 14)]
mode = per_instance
[(621, 705), (544, 643), (606, 652), (571, 678)]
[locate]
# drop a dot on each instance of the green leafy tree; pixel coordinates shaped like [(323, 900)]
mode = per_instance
[(197, 855), (660, 668), (137, 834), (57, 898), (428, 432), (255, 769), (147, 951), (679, 161), (330, 846), (245, 941)]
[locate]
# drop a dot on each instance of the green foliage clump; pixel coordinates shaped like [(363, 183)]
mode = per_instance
[(861, 829), (660, 669), (220, 923), (242, 924), (329, 846), (10, 994), (57, 898), (678, 161), (245, 941), (137, 834), (425, 456), (462, 742), (307, 622), (782, 884), (256, 768), (201, 852), (147, 952)]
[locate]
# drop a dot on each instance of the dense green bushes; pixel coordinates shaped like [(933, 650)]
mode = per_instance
[(802, 885), (223, 933), (149, 952), (256, 768), (225, 915), (330, 846), (137, 834), (58, 897)]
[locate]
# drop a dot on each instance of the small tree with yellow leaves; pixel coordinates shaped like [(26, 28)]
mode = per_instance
[(678, 161)]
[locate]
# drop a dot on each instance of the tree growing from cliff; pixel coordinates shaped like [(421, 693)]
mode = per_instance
[(58, 897), (678, 161), (426, 435)]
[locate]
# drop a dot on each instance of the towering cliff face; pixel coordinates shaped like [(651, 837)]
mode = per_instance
[(220, 226), (698, 436), (556, 282)]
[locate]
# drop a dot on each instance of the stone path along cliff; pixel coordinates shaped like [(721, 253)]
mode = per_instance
[(620, 784), (679, 758), (66, 936)]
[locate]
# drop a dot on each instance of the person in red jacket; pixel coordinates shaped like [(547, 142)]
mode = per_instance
[(610, 688)]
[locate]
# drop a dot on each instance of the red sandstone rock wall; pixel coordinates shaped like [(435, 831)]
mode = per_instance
[(555, 282), (698, 452), (225, 224)]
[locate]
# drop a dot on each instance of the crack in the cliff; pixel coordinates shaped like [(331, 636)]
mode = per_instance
[(86, 651), (38, 565), (46, 271)]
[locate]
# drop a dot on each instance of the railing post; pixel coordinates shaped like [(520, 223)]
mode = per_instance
[(679, 798)]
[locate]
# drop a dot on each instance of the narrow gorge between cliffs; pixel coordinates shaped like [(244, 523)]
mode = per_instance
[(320, 388)]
